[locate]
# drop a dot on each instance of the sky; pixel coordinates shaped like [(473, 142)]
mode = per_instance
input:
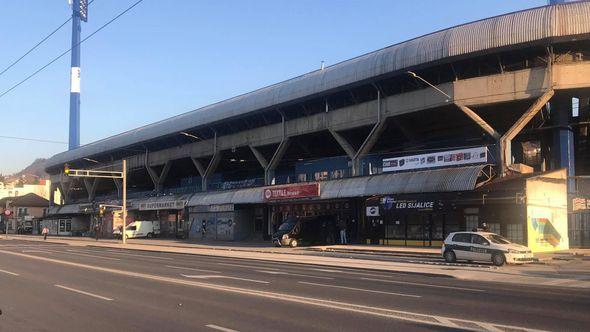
[(164, 58)]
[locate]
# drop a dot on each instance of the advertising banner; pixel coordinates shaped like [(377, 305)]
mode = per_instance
[(477, 155), (292, 192)]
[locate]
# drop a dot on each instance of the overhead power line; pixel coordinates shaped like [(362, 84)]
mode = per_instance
[(32, 139), (38, 44), (34, 47), (69, 50)]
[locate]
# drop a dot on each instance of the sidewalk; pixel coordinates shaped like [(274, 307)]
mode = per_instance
[(566, 274)]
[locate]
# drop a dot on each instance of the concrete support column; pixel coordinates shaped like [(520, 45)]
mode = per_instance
[(90, 185), (348, 149), (64, 189), (206, 173), (159, 179), (52, 189), (506, 139), (269, 172), (563, 137), (119, 186)]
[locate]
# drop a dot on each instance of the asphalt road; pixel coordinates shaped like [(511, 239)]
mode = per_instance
[(52, 287)]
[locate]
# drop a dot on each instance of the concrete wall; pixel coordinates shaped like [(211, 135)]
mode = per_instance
[(546, 200)]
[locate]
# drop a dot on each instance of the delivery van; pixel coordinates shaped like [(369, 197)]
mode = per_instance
[(140, 228)]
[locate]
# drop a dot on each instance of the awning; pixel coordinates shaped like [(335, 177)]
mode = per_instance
[(431, 181), (170, 202), (240, 196)]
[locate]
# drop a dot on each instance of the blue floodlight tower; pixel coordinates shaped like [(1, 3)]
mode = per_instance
[(79, 13)]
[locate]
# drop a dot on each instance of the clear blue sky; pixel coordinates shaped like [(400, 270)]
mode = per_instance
[(168, 57)]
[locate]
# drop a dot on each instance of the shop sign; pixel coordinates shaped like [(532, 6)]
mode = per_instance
[(168, 205), (580, 203), (292, 192), (372, 211), (437, 159), (221, 208), (389, 203)]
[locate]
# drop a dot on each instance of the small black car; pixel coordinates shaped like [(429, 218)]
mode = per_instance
[(296, 231)]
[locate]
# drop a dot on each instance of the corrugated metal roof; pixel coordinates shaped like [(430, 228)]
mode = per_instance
[(431, 181), (240, 196), (542, 23)]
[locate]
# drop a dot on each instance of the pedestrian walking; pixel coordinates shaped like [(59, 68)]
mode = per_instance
[(203, 229), (342, 226), (45, 231)]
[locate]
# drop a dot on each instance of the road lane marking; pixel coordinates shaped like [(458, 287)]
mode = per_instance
[(86, 255), (223, 277), (248, 266), (42, 251), (11, 273), (326, 270), (191, 269), (84, 293), (148, 256), (424, 285), (220, 328), (359, 289), (283, 297), (294, 274)]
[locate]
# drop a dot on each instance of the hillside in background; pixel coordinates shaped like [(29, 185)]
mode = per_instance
[(30, 174)]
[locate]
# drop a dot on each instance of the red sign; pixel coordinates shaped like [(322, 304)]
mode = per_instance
[(7, 212), (292, 192)]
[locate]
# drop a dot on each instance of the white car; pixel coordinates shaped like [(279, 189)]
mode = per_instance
[(485, 247)]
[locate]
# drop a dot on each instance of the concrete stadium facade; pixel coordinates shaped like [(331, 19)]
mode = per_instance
[(515, 85)]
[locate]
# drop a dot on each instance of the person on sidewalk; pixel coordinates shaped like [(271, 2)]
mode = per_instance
[(44, 232), (203, 229), (96, 231), (342, 226)]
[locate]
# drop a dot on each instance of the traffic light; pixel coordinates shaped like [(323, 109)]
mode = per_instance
[(66, 169), (101, 210)]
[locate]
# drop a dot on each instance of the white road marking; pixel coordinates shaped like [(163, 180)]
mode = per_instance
[(220, 328), (247, 266), (86, 255), (284, 297), (148, 256), (223, 277), (191, 269), (326, 270), (359, 289), (42, 251), (84, 293), (424, 285), (294, 274), (11, 273), (489, 327)]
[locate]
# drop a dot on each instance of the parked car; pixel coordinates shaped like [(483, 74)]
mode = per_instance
[(140, 228), (296, 231), (484, 247)]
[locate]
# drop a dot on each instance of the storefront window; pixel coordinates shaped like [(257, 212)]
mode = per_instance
[(415, 229), (395, 229), (471, 222), (515, 233), (494, 228)]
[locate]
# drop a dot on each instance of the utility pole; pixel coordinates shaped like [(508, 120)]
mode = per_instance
[(79, 13)]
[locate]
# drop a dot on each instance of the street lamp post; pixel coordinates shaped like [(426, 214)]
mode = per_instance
[(83, 173)]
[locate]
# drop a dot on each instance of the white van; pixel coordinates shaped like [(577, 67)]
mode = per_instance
[(140, 228)]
